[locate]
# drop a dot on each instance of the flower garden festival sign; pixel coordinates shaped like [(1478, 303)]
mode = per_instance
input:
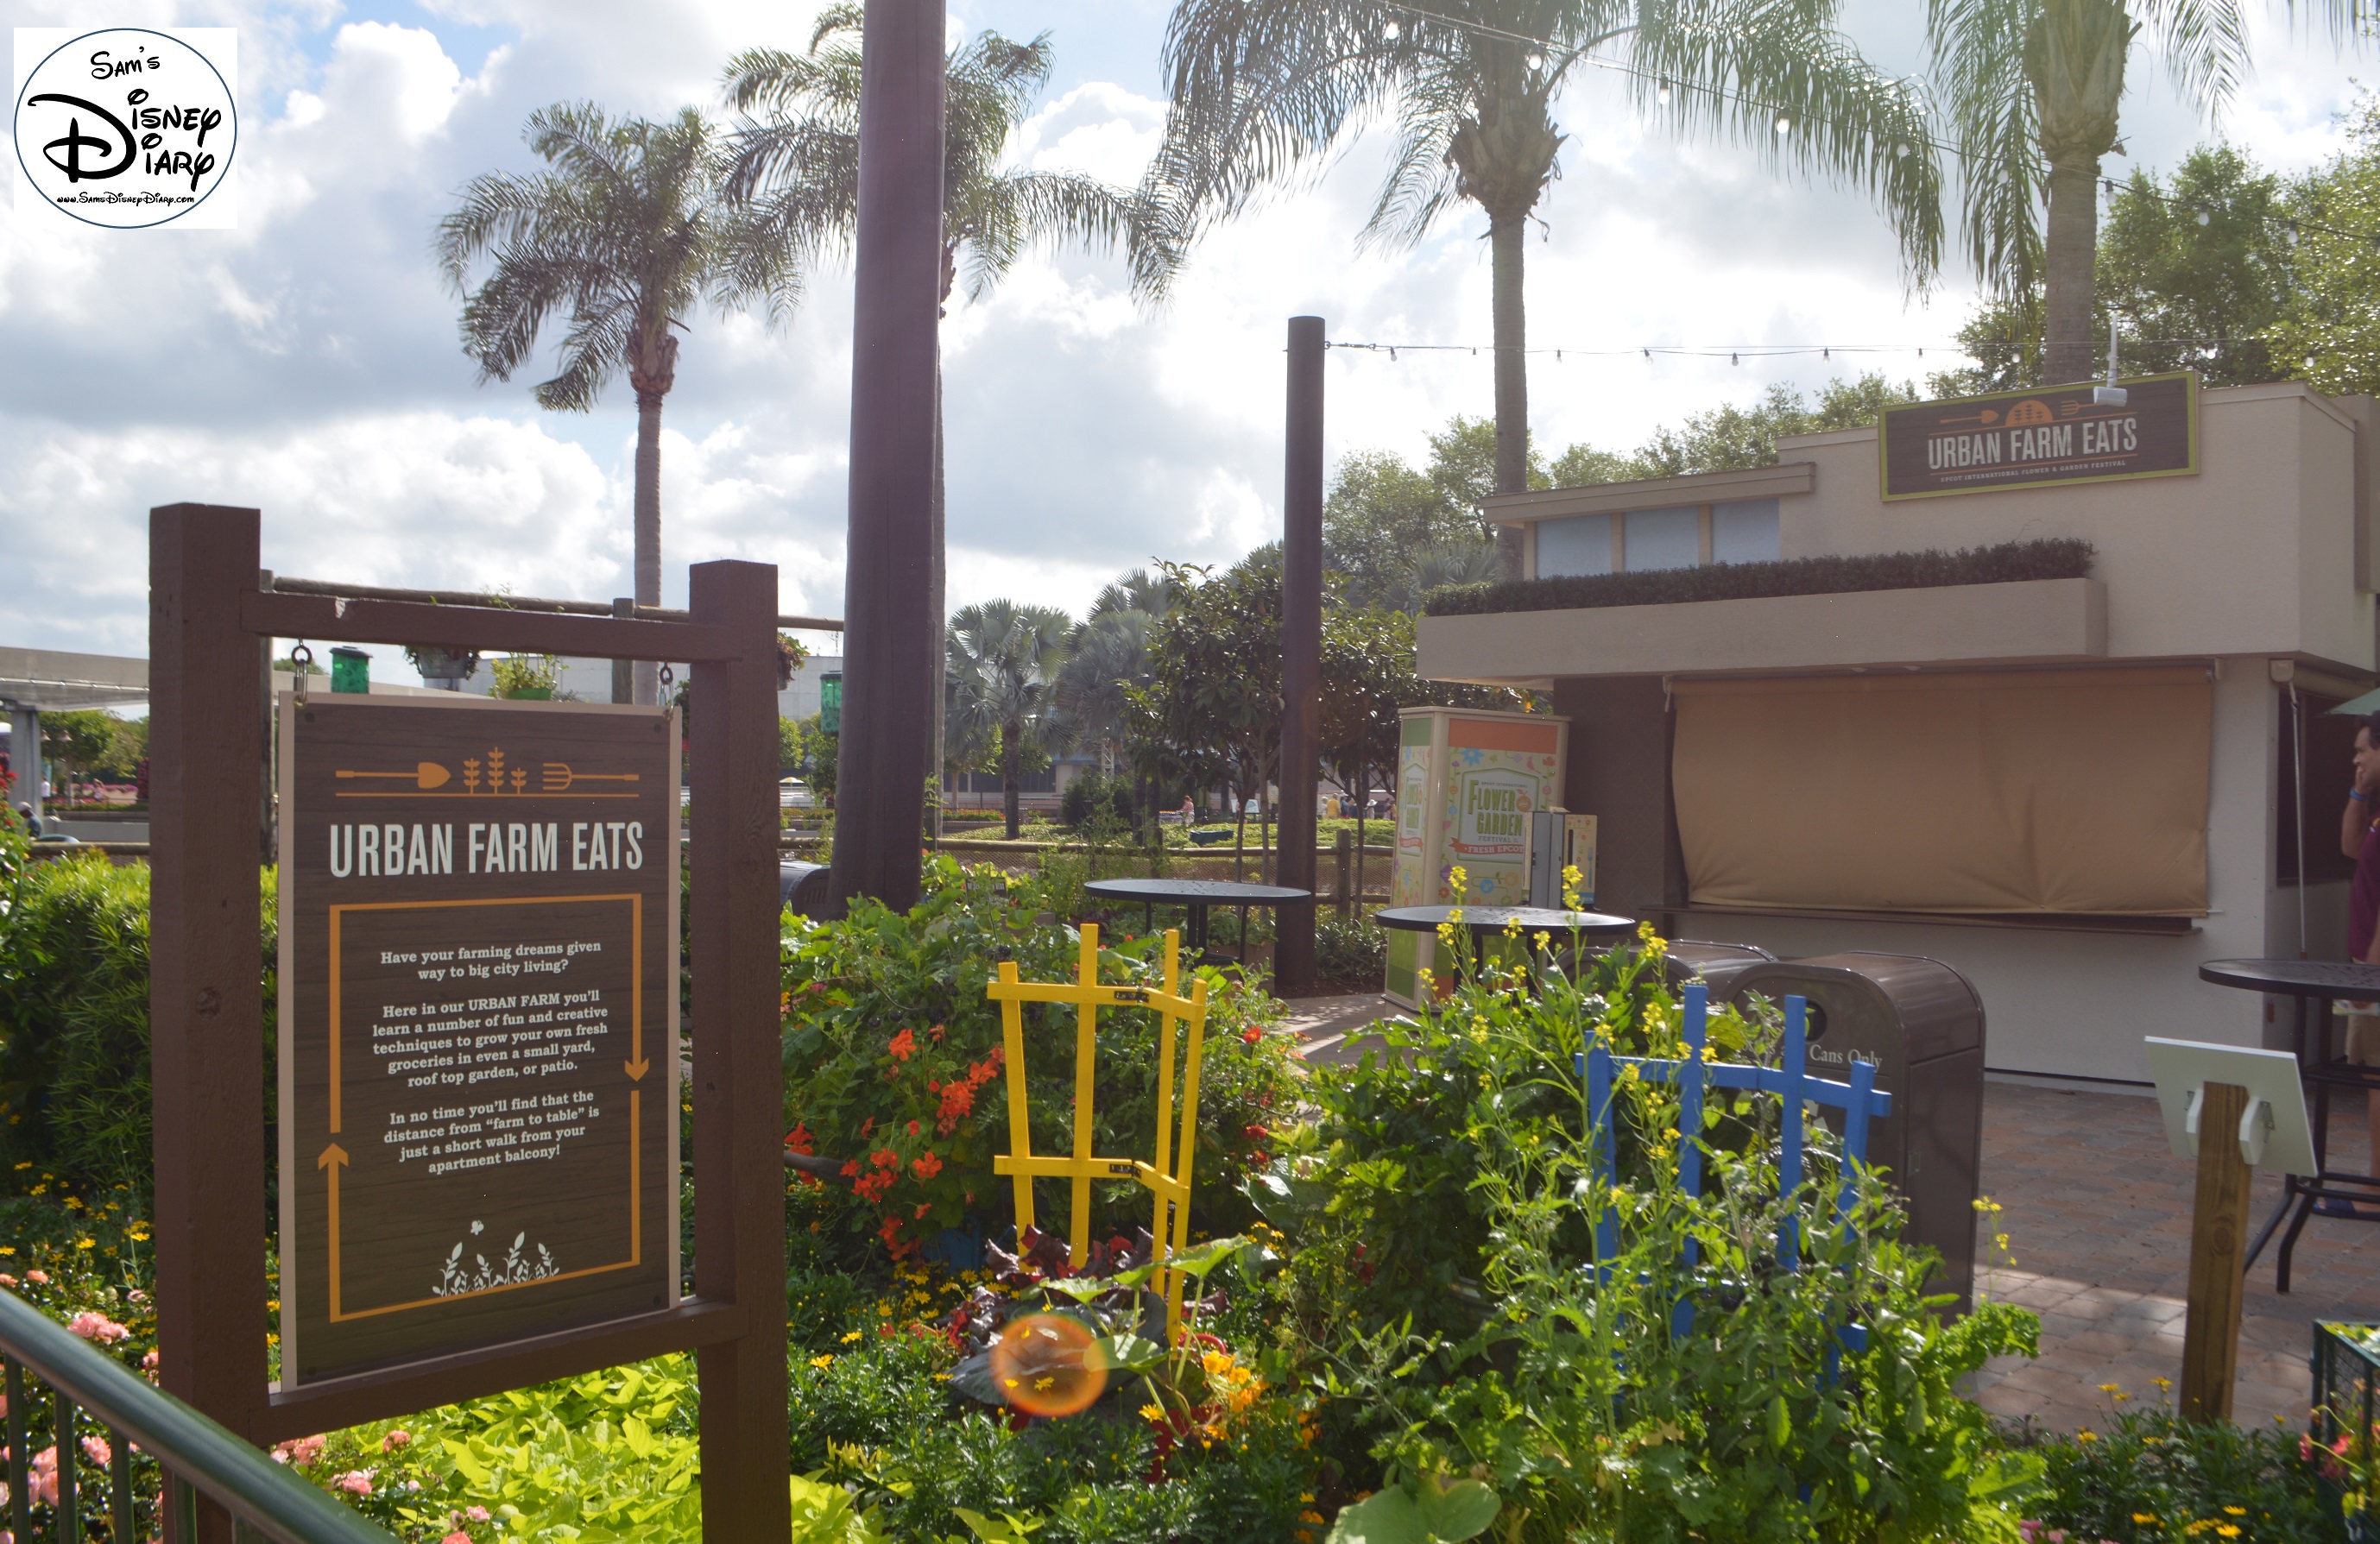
[(129, 127)]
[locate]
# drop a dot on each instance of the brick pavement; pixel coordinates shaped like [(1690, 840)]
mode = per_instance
[(2097, 1212)]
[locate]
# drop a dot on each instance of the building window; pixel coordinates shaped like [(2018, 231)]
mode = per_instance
[(1682, 536), (1744, 532), (2319, 788), (1663, 538), (1580, 544)]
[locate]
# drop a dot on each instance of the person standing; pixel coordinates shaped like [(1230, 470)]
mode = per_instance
[(2357, 826)]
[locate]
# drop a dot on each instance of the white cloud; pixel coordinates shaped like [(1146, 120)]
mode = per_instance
[(306, 363)]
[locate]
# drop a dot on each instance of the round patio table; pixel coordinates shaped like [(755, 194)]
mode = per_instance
[(2323, 982), (1482, 920), (1197, 897)]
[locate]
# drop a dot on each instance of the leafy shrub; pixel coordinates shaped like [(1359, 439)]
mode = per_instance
[(2055, 558), (1094, 794), (1450, 1181), (2150, 1477), (74, 1020), (1354, 951), (894, 1061)]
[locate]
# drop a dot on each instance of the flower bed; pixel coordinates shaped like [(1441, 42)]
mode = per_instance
[(1398, 1329)]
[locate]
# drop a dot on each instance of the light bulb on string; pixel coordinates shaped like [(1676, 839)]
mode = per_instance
[(2308, 361), (1537, 61), (1391, 31), (2205, 218), (2290, 231), (1784, 125), (1662, 96)]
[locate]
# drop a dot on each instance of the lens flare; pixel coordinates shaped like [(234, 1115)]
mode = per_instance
[(1046, 1364)]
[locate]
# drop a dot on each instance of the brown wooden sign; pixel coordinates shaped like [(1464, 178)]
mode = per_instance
[(479, 1025), (2040, 438)]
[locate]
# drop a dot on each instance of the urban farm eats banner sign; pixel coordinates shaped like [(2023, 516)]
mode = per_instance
[(128, 127), (2041, 438), (479, 1025)]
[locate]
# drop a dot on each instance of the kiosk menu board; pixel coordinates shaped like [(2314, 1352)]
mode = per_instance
[(479, 915), (1468, 783)]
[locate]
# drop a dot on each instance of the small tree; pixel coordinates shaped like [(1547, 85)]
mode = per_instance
[(1214, 691)]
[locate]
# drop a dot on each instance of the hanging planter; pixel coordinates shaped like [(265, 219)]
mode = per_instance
[(528, 677), (444, 666)]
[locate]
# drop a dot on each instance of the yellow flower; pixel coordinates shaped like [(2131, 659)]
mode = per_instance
[(2162, 1383), (82, 1243), (2228, 1530), (2086, 1435), (824, 1358), (2237, 1511), (855, 1334), (7, 1249), (2111, 1388), (1150, 1412), (2143, 1517)]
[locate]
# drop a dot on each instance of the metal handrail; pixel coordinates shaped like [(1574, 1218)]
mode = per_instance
[(198, 1455)]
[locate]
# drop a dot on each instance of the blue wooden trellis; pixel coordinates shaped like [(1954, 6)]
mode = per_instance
[(1859, 1100)]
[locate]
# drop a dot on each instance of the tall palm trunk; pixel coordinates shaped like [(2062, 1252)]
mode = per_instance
[(1011, 755), (2074, 60), (1502, 160), (652, 370), (1511, 327), (2070, 251)]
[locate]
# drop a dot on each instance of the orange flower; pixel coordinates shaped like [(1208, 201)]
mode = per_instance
[(904, 1047), (927, 1166)]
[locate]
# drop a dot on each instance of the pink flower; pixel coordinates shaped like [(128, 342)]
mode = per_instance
[(6, 1279), (458, 1537), (42, 1477), (477, 1514), (395, 1441), (39, 1278), (98, 1452), (355, 1482), (301, 1451), (148, 1362), (97, 1326)]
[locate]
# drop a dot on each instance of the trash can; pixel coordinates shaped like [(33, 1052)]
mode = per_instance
[(802, 886), (1715, 965), (1922, 1023)]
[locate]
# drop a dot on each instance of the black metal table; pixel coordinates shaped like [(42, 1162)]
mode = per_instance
[(1481, 919), (2308, 980), (1197, 897)]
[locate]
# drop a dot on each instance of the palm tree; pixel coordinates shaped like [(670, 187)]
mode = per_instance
[(626, 234), (1107, 657), (2033, 88), (796, 165), (1264, 88), (1004, 662)]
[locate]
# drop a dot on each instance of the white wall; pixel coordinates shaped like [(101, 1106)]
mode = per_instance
[(2253, 554)]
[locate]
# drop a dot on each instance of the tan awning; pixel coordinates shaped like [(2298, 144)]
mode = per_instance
[(2058, 791)]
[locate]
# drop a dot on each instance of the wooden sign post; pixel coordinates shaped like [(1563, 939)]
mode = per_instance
[(2219, 1237), (384, 1313), (2234, 1109)]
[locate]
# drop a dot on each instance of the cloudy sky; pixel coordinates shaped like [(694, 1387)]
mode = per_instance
[(305, 362)]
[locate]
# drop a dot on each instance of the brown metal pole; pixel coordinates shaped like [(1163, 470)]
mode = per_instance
[(891, 639), (1301, 652), (2218, 1236), (739, 1177), (206, 1027)]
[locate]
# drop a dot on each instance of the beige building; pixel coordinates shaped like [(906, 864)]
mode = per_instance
[(2072, 790)]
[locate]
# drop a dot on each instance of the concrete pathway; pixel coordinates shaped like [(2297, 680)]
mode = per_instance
[(2097, 1213)]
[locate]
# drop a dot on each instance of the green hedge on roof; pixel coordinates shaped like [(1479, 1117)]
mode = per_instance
[(2061, 558)]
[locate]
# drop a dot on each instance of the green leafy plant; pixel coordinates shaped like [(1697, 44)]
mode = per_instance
[(895, 1065), (1445, 1285), (527, 675), (2145, 1475), (1354, 952), (74, 1020)]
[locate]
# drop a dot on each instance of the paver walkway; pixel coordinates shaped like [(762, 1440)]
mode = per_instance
[(2097, 1210)]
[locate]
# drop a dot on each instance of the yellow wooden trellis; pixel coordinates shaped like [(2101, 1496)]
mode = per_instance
[(1169, 1178)]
